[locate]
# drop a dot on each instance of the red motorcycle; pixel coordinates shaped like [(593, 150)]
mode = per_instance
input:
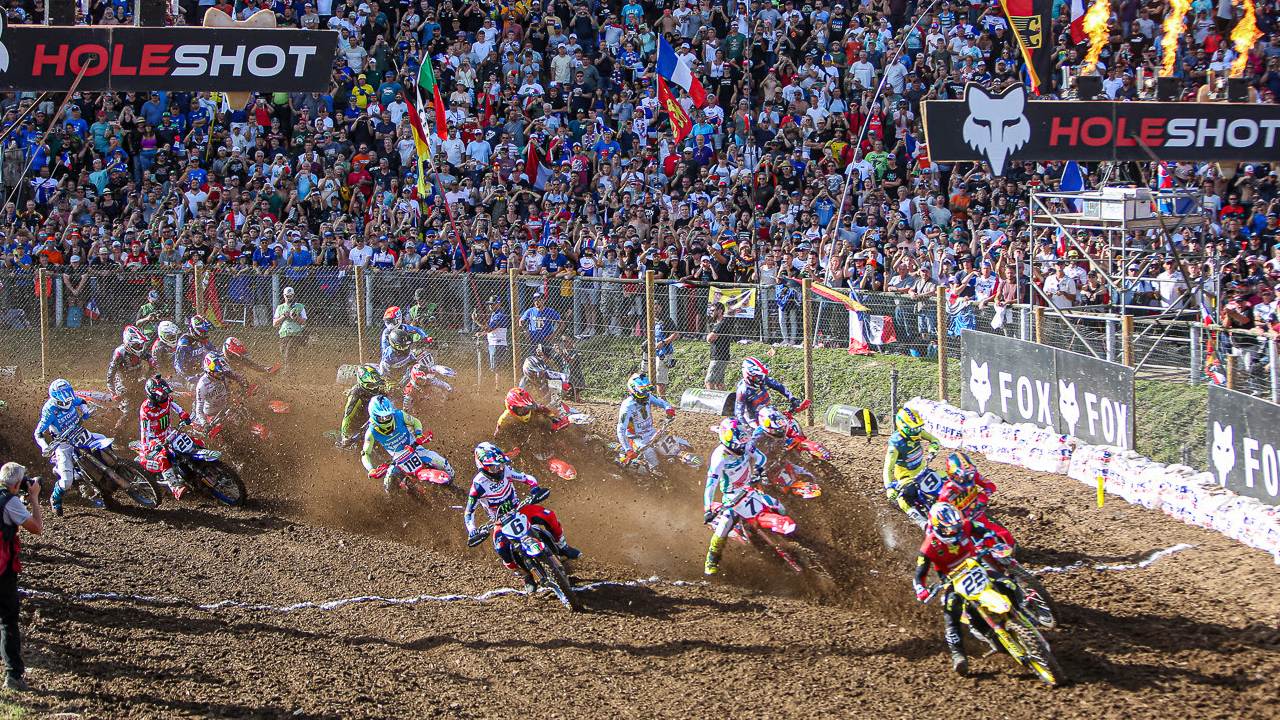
[(759, 530), (419, 469)]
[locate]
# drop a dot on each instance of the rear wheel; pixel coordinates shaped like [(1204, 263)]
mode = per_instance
[(129, 477), (1039, 658), (224, 482)]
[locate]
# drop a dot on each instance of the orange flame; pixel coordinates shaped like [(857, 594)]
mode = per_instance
[(1244, 36), (1174, 25), (1096, 23)]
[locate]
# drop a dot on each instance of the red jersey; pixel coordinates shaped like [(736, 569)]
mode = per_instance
[(946, 558), (155, 423), (964, 500)]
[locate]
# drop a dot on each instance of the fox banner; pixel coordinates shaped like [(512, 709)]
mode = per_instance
[(738, 302), (141, 59), (1071, 393), (1244, 438), (1006, 127)]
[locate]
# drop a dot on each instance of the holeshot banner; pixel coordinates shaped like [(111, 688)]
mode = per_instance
[(1021, 381), (135, 59), (1008, 127), (1244, 439)]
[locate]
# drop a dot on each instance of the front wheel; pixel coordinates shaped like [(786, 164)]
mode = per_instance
[(129, 477), (1039, 658), (554, 577), (223, 481)]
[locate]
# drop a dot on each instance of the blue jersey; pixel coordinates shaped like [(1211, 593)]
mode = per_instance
[(56, 420), (405, 328), (748, 400), (188, 358), (393, 359), (400, 437)]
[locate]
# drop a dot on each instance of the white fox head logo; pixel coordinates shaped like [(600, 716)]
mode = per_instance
[(980, 383), (1223, 451), (4, 51), (996, 126), (1068, 405)]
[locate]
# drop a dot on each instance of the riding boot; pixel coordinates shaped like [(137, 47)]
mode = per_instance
[(567, 551), (169, 478), (955, 644), (959, 662), (713, 555), (55, 499), (918, 518), (525, 577)]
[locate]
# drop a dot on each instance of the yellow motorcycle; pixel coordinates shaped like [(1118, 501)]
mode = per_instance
[(1014, 628)]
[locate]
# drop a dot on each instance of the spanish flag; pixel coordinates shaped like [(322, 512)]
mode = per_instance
[(681, 125)]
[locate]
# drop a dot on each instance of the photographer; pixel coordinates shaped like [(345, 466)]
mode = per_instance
[(13, 516)]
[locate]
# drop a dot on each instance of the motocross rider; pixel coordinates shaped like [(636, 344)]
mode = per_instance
[(165, 345), (535, 381), (752, 393), (735, 468), (188, 361), (393, 319), (61, 412), (369, 384), (635, 420), (130, 366), (770, 437), (397, 351), (422, 382), (904, 459), (521, 408), (395, 430), (213, 395), (155, 423), (494, 486), (970, 493), (948, 542), (237, 356)]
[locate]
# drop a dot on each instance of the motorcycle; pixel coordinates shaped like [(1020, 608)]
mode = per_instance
[(534, 550), (99, 472), (1014, 628), (234, 417), (796, 439), (558, 388), (750, 531), (921, 492), (201, 467), (425, 382), (664, 443), (417, 474)]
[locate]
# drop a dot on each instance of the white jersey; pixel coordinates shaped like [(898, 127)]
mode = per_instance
[(730, 473), (494, 492), (635, 418)]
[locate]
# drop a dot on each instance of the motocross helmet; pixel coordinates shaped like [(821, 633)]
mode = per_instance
[(732, 436), (773, 422), (753, 371), (215, 364), (535, 368), (382, 414), (908, 422), (961, 471), (391, 318), (153, 296), (61, 394), (157, 390), (420, 375), (399, 340), (167, 333), (233, 346), (200, 328), (946, 522), (519, 402), (135, 341), (639, 386), (490, 458), (368, 377)]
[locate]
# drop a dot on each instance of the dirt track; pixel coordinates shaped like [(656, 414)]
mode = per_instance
[(1195, 634)]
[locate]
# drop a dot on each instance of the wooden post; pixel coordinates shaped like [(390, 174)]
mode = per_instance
[(360, 318), (1126, 339), (941, 321), (197, 290), (807, 314), (650, 342), (514, 292), (1039, 325), (42, 278), (1231, 372)]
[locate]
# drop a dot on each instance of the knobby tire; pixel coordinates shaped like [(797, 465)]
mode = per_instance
[(1040, 658), (224, 482)]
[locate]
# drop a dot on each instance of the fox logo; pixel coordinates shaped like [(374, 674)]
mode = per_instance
[(4, 51), (996, 126)]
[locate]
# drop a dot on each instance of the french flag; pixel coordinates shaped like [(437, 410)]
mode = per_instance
[(672, 69), (1077, 22)]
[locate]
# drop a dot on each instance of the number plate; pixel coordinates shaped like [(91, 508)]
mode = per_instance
[(79, 437), (973, 582), (408, 460), (516, 527), (749, 506), (182, 443)]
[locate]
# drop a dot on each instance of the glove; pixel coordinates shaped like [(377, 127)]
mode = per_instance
[(708, 516), (538, 494), (671, 412), (559, 423), (922, 592), (44, 445), (796, 403), (425, 437), (934, 448), (891, 493)]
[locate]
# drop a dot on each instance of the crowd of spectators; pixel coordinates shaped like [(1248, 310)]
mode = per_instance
[(771, 184)]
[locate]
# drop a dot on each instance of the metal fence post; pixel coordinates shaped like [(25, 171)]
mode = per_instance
[(1024, 323), (762, 308), (42, 293), (893, 391), (1197, 354), (807, 316), (650, 349), (197, 290), (359, 300), (1275, 371), (1126, 339), (942, 343), (275, 293), (1111, 338), (58, 311), (513, 292)]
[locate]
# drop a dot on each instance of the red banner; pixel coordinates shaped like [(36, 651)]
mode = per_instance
[(681, 125)]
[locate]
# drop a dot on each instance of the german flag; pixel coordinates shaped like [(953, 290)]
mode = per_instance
[(830, 294)]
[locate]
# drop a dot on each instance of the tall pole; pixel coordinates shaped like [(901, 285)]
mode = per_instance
[(806, 288), (942, 343), (42, 278), (650, 342), (1126, 339), (514, 293), (360, 318)]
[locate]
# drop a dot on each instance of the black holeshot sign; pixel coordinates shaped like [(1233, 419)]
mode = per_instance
[(134, 59), (1021, 381), (1244, 444)]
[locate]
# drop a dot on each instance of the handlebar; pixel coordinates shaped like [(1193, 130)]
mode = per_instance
[(479, 534)]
